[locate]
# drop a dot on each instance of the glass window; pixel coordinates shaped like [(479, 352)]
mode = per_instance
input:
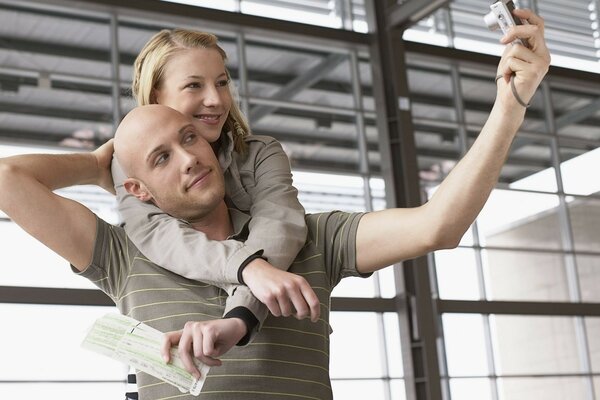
[(457, 276), (585, 223), (579, 166), (470, 389), (525, 276), (47, 342), (393, 351), (356, 346), (592, 326), (64, 391), (542, 388), (534, 345), (358, 389), (464, 338), (529, 165), (521, 220), (27, 262), (588, 270)]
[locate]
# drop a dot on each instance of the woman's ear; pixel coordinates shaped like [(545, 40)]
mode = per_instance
[(153, 96), (137, 188)]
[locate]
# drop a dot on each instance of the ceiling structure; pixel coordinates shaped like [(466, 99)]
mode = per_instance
[(57, 85)]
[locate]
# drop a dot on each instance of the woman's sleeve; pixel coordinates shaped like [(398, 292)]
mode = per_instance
[(277, 225), (174, 245)]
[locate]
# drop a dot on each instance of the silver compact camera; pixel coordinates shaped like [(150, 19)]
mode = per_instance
[(501, 17)]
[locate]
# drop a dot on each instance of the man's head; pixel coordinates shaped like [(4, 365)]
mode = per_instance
[(168, 162)]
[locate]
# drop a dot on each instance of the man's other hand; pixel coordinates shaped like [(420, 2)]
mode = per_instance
[(284, 293), (204, 340)]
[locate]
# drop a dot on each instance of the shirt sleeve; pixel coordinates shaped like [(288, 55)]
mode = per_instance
[(335, 235), (111, 261), (277, 225)]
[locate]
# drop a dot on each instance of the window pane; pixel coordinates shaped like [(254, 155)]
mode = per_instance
[(64, 391), (470, 389), (457, 274), (529, 165), (526, 276), (27, 262), (319, 192), (534, 345), (577, 163), (592, 326), (392, 341), (585, 223), (465, 345), (398, 390), (588, 269), (542, 388), (52, 335), (359, 389), (355, 353), (520, 219)]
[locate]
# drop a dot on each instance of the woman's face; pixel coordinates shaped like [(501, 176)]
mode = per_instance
[(195, 84)]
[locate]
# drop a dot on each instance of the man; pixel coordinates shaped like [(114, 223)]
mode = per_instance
[(176, 169)]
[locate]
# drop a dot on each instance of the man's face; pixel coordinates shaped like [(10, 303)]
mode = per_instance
[(175, 167)]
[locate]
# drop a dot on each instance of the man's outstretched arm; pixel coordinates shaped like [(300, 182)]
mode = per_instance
[(389, 236), (65, 226)]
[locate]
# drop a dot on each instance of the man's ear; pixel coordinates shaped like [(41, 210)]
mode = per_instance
[(138, 189)]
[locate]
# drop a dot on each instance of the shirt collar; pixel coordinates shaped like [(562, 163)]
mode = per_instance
[(239, 221)]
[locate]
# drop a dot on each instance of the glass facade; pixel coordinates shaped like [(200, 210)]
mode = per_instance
[(65, 74)]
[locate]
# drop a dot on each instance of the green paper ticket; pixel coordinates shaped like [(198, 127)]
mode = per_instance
[(129, 341)]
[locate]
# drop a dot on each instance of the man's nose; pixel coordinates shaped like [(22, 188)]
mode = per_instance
[(189, 161)]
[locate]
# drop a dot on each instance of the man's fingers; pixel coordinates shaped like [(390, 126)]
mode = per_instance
[(185, 353), (531, 33), (529, 16), (170, 339), (210, 352)]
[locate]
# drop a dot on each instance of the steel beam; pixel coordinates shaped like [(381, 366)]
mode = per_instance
[(306, 80), (408, 12)]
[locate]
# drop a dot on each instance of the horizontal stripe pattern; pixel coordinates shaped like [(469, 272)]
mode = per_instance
[(287, 359)]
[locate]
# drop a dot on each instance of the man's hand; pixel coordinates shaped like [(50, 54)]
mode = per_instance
[(529, 65), (284, 293), (205, 340), (103, 155)]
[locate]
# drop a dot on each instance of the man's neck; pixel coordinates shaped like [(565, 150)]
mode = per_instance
[(216, 225)]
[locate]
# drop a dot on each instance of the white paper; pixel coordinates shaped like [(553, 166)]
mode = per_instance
[(132, 342)]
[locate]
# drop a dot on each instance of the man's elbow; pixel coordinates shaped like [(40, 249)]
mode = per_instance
[(446, 238), (8, 174)]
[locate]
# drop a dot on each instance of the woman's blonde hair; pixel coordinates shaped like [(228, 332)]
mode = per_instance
[(149, 69)]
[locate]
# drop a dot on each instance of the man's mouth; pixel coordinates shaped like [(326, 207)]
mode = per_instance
[(198, 179)]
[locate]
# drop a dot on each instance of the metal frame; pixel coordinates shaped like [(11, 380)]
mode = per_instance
[(418, 312)]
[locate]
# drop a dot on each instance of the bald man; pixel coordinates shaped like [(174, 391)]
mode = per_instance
[(171, 165)]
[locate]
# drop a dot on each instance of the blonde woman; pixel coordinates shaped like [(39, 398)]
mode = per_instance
[(186, 71)]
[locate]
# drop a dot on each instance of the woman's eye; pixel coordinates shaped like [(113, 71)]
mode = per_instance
[(194, 85), (222, 83)]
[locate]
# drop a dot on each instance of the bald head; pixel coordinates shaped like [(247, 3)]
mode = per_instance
[(134, 130)]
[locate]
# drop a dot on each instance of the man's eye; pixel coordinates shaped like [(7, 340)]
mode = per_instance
[(161, 159), (190, 138)]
